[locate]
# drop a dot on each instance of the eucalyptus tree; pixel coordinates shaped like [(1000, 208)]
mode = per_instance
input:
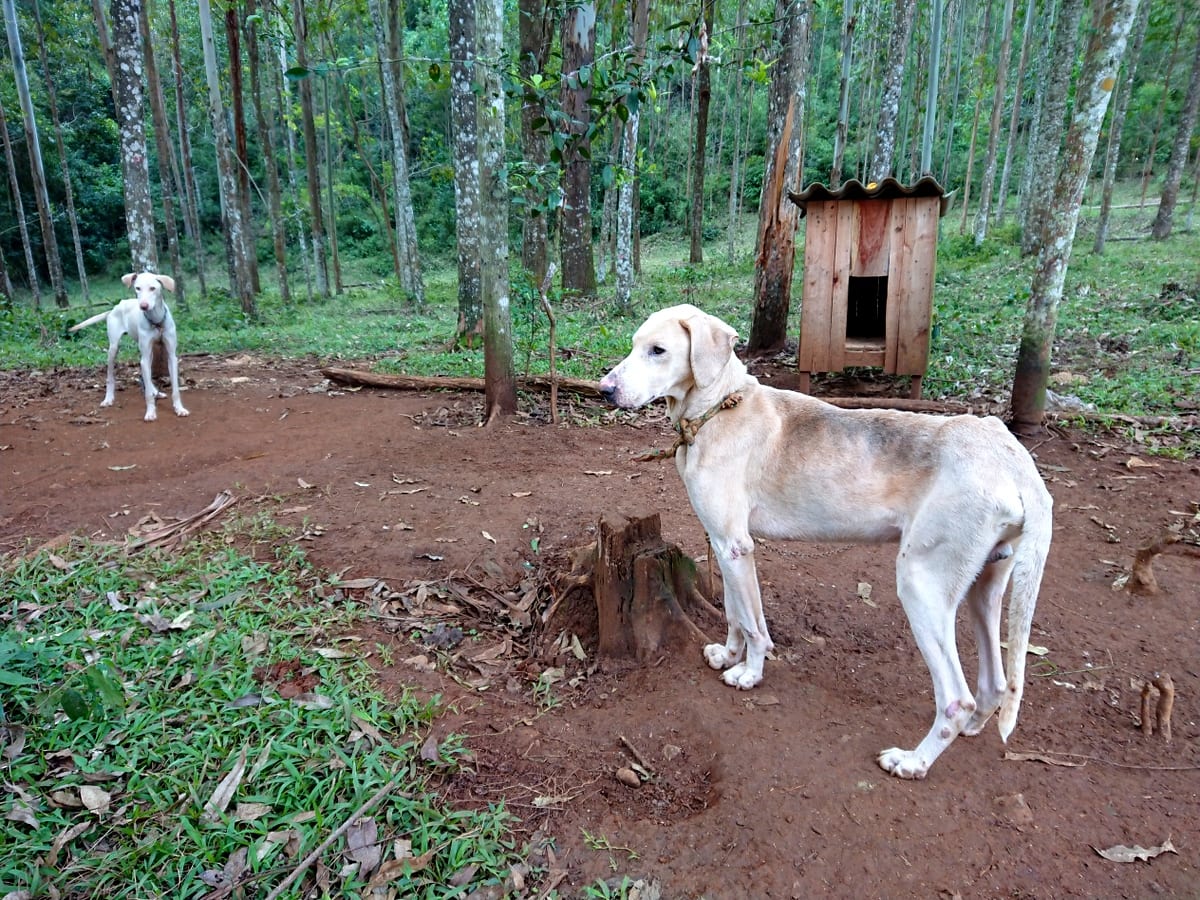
[(703, 99), (1180, 151), (37, 170), (14, 188), (883, 158), (1093, 89), (578, 57), (842, 129), (187, 175), (311, 154), (500, 384), (464, 128), (626, 201), (989, 166), (775, 253), (536, 20), (1015, 113)]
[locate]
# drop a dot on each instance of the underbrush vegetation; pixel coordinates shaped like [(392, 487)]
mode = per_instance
[(196, 723)]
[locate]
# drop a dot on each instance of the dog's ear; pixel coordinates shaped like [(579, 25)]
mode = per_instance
[(712, 346), (127, 280), (167, 281)]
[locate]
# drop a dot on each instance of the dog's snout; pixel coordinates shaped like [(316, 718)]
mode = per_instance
[(608, 388)]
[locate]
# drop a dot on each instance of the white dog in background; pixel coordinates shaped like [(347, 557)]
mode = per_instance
[(145, 316), (960, 494)]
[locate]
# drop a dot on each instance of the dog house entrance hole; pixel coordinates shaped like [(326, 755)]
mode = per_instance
[(866, 308)]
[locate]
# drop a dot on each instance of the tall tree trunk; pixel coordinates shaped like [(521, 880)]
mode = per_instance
[(464, 124), (265, 122), (1092, 93), (775, 254), (1168, 70), (1180, 151), (191, 203), (283, 101), (240, 283), (536, 28), (883, 160), (166, 158), (241, 156), (14, 188), (1014, 116), (36, 169), (981, 73), (929, 125), (500, 384), (627, 183), (330, 187), (578, 54), (1116, 124), (63, 166), (1044, 151), (735, 167), (311, 155), (983, 215), (700, 142), (842, 130)]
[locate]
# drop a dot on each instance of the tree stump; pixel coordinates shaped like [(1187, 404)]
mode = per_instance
[(644, 589)]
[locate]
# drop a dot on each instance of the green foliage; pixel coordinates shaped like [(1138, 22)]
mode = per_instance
[(139, 681)]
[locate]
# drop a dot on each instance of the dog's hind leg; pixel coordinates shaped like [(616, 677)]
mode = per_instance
[(110, 382), (984, 605), (173, 368), (930, 593)]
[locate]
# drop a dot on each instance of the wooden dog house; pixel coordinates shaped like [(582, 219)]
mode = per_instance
[(869, 256)]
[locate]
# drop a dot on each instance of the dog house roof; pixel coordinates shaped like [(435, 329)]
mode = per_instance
[(887, 189)]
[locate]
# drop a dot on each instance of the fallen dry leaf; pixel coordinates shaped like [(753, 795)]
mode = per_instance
[(95, 799), (219, 801), (1122, 854)]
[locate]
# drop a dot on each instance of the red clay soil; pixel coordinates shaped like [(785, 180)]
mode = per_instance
[(768, 793)]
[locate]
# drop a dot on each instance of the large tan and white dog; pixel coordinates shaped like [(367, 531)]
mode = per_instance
[(146, 317), (960, 494)]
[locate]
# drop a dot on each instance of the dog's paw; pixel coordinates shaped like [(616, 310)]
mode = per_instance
[(718, 656), (180, 411), (150, 416), (107, 401), (741, 677), (903, 763)]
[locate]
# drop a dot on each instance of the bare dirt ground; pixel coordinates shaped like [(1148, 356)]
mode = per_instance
[(434, 521)]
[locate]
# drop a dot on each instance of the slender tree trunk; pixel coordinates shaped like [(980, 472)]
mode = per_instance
[(311, 154), (1045, 150), (842, 130), (1180, 151), (240, 153), (1014, 116), (166, 158), (984, 213), (1168, 70), (283, 101), (191, 214), (929, 125), (239, 275), (735, 166), (627, 182), (330, 188), (1093, 90), (703, 101), (468, 215), (578, 51), (776, 251), (883, 160), (1116, 124), (536, 32), (265, 122), (36, 169), (63, 166), (14, 188), (981, 73), (500, 384)]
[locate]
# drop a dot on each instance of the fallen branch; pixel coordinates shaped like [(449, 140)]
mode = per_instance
[(184, 527), (1141, 578)]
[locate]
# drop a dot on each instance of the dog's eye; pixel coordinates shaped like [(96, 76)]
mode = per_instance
[(656, 350)]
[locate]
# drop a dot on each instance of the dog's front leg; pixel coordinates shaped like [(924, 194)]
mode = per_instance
[(147, 348), (747, 635)]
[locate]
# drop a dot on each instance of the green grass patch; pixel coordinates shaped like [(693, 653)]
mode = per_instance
[(152, 752)]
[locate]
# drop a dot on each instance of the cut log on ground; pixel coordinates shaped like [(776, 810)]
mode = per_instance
[(644, 589), (1141, 579)]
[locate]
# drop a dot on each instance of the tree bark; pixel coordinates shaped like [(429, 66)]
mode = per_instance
[(776, 251), (240, 153), (700, 141), (1116, 124), (464, 125), (536, 28), (929, 124), (14, 188), (1092, 94), (983, 214), (1180, 151), (578, 51), (191, 214), (37, 170), (883, 159), (500, 391), (311, 154), (842, 130), (1014, 116), (627, 184)]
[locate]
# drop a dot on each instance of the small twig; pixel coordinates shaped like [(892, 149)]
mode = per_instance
[(543, 291), (1166, 701), (1120, 765), (371, 803), (1147, 722), (633, 751)]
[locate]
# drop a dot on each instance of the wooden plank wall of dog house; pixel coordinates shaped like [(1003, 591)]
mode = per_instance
[(920, 256), (869, 252), (841, 288), (816, 310)]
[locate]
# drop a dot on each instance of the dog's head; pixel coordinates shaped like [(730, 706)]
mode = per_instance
[(674, 351), (148, 287)]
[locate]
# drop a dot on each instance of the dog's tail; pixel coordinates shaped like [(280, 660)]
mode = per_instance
[(1027, 571), (99, 317)]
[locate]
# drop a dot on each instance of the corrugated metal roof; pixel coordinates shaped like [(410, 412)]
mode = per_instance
[(888, 189)]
